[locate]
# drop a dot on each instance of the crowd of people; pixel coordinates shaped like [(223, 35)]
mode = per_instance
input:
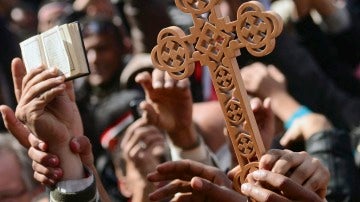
[(130, 132)]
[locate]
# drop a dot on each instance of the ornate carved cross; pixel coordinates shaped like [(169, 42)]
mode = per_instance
[(215, 42)]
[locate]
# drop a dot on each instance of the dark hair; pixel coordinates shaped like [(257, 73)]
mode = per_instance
[(98, 25)]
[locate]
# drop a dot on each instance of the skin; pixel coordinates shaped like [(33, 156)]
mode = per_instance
[(201, 186), (12, 186), (43, 98), (139, 161), (104, 55), (204, 183), (162, 94), (268, 81)]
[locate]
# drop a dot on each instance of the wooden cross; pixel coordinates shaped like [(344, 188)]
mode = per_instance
[(215, 42)]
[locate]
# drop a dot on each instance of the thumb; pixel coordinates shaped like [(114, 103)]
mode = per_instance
[(292, 134), (149, 113), (144, 79), (14, 126), (276, 74), (213, 191), (81, 145)]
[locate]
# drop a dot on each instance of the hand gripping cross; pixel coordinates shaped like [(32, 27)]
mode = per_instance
[(215, 42)]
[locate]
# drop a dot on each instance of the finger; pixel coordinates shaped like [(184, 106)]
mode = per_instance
[(169, 82), (158, 78), (288, 188), (255, 104), (148, 135), (36, 76), (144, 79), (276, 74), (305, 170), (18, 72), (267, 161), (43, 88), (81, 145), (187, 169), (39, 102), (184, 197), (70, 90), (49, 172), (150, 115), (37, 143), (215, 192), (43, 158), (169, 190), (288, 161), (14, 126), (260, 194), (183, 83), (319, 180), (292, 134), (44, 179), (142, 140), (233, 172), (129, 131), (267, 103)]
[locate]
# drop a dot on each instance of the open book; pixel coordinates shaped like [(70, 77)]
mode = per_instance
[(60, 47)]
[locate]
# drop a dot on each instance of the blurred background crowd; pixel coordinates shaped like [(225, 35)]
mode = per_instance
[(312, 78)]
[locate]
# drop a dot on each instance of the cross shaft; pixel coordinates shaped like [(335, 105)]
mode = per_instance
[(215, 42)]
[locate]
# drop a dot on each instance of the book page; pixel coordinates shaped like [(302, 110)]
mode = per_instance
[(65, 35), (55, 52), (78, 46), (32, 53)]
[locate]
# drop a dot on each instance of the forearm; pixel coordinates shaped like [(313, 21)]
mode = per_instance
[(70, 163), (283, 105)]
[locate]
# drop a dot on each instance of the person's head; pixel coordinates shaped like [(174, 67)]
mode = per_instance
[(132, 166), (16, 174), (51, 12), (96, 7), (106, 44)]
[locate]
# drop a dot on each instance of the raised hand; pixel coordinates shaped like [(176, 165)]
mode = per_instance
[(143, 146), (290, 190), (168, 105), (263, 81), (299, 167), (196, 182), (304, 127), (265, 119), (46, 105)]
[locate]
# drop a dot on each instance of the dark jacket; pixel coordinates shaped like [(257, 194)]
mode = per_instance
[(334, 150)]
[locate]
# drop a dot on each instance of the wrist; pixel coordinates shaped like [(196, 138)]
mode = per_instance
[(284, 105), (70, 162), (186, 139), (300, 112)]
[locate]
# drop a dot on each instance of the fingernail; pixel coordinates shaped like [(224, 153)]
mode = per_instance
[(53, 161), (57, 174), (60, 78), (245, 188), (157, 84), (197, 183), (259, 174)]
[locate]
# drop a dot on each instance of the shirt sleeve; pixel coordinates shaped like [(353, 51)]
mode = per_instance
[(201, 153), (76, 190)]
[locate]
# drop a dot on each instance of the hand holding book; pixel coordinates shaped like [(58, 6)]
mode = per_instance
[(60, 47)]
